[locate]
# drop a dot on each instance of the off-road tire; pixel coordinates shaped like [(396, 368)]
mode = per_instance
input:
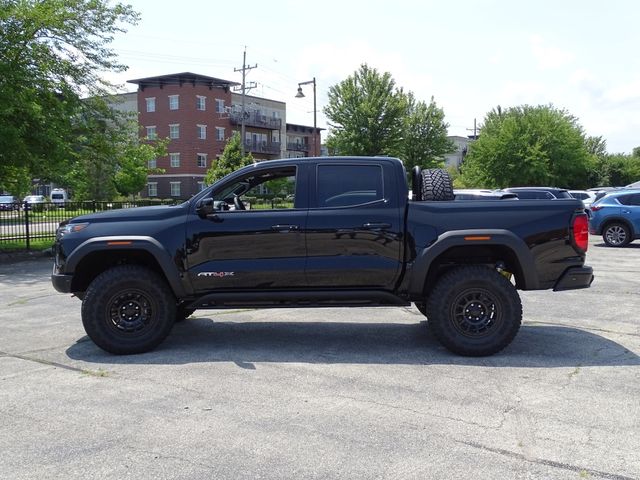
[(436, 185), (128, 309), (474, 311), (616, 235)]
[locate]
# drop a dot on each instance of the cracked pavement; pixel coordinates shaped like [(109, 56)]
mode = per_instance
[(326, 393)]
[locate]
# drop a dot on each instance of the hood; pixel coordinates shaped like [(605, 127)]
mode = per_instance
[(133, 214)]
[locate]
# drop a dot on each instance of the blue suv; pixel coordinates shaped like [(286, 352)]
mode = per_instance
[(616, 217)]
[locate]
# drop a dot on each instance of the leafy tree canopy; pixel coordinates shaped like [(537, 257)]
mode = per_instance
[(528, 145), (366, 114), (230, 160), (52, 54)]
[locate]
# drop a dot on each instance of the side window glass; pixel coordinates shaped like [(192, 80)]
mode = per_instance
[(347, 185), (265, 190), (626, 199)]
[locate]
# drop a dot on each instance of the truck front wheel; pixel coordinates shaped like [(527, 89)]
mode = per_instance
[(128, 309), (474, 311)]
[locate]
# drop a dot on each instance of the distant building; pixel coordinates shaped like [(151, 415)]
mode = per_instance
[(455, 158), (199, 114)]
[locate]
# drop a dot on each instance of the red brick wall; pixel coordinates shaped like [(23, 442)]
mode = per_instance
[(187, 115)]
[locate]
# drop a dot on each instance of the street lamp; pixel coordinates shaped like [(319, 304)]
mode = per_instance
[(300, 94)]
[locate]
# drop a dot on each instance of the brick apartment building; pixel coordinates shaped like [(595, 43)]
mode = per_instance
[(199, 114)]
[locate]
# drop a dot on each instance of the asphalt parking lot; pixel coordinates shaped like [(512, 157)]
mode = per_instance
[(328, 393)]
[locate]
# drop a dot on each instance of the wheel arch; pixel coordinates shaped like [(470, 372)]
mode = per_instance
[(96, 255), (461, 248), (622, 220)]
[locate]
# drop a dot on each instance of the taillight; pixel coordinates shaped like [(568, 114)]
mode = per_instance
[(595, 208), (581, 232)]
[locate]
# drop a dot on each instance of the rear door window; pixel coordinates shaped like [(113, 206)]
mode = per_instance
[(348, 185)]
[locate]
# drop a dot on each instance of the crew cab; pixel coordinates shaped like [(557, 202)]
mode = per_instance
[(345, 235)]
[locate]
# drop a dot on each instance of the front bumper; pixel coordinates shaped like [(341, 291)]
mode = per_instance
[(61, 282), (574, 278)]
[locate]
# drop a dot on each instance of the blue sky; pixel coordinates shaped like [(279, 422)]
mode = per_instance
[(469, 55)]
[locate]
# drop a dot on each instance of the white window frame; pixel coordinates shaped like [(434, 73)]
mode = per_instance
[(202, 132), (174, 102), (151, 104), (152, 133), (152, 189), (201, 103), (201, 186), (153, 163), (174, 160), (175, 192), (219, 105), (202, 156), (220, 134), (174, 131)]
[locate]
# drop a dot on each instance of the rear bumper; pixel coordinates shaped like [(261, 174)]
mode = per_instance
[(574, 278)]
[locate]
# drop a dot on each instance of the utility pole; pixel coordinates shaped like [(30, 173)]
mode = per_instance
[(245, 68), (475, 130)]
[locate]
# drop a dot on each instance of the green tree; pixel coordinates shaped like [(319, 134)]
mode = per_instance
[(425, 139), (133, 165), (366, 113), (52, 54), (230, 160), (528, 145)]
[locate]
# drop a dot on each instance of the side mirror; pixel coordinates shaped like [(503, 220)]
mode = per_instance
[(204, 207)]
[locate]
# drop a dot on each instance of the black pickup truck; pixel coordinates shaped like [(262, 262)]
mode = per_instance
[(347, 235)]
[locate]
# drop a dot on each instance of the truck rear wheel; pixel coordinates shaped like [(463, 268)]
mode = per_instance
[(474, 311), (128, 309)]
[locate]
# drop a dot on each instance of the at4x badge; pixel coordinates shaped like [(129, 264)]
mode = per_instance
[(216, 274)]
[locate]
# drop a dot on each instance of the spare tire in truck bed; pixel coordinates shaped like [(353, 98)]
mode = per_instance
[(432, 184)]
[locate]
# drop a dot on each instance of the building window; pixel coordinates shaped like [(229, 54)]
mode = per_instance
[(219, 106), (174, 102), (151, 132), (201, 102), (152, 189), (201, 186), (175, 188), (202, 132), (153, 163), (174, 160), (151, 104), (202, 160), (174, 130), (219, 133)]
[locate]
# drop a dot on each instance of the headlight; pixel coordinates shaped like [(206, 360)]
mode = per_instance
[(71, 227)]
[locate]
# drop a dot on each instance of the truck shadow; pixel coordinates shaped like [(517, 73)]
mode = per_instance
[(246, 343)]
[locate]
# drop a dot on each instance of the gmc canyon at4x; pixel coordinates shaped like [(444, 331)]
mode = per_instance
[(347, 236)]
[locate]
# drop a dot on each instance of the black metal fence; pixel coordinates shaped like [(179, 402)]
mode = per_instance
[(34, 225)]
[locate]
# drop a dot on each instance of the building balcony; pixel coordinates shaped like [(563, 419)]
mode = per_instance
[(298, 147), (272, 148), (252, 119)]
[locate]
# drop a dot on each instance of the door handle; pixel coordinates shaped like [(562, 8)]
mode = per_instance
[(284, 228), (376, 226)]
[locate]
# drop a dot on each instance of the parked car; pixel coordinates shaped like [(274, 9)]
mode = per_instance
[(587, 197), (538, 193), (59, 197), (33, 201), (634, 185), (9, 202), (616, 217), (482, 194)]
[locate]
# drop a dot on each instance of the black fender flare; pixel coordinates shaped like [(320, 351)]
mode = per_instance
[(148, 244), (461, 238), (618, 219)]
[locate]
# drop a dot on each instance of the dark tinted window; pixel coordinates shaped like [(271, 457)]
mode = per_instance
[(532, 194), (633, 199), (580, 195), (344, 185), (563, 194)]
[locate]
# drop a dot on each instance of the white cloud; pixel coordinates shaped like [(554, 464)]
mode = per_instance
[(548, 56)]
